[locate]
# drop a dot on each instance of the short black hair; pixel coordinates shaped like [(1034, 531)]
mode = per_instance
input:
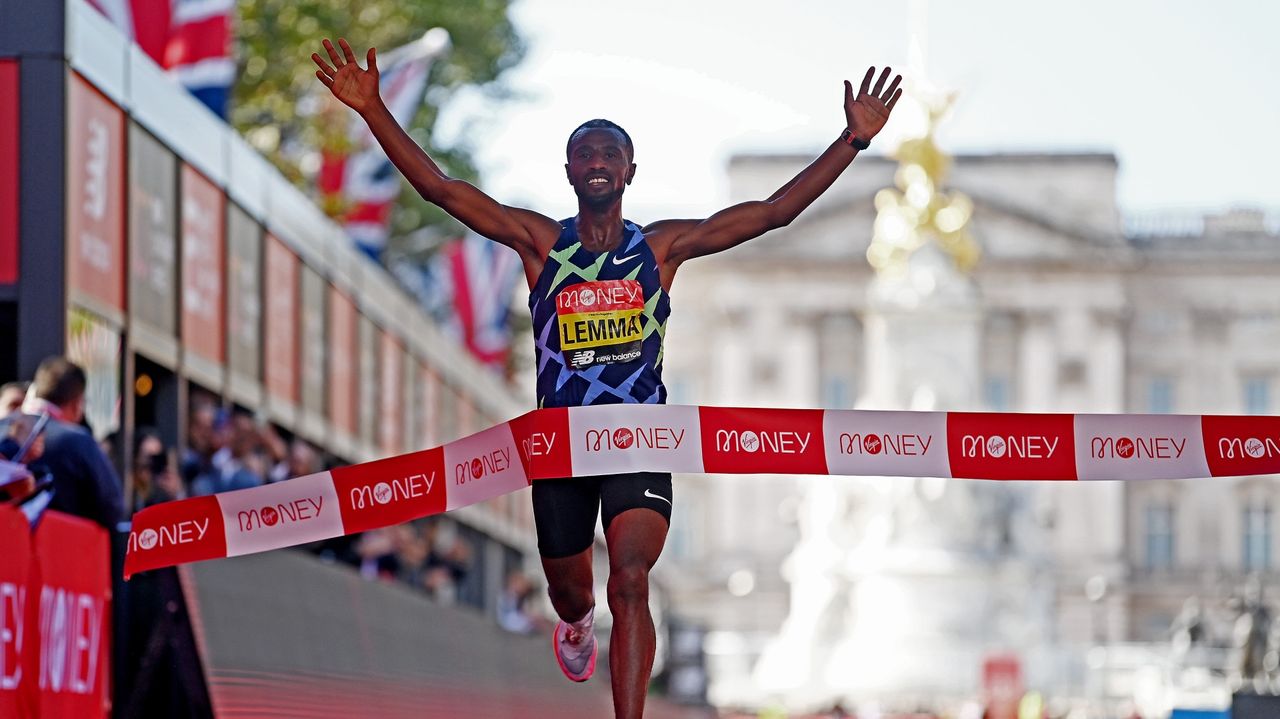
[(60, 381), (600, 124)]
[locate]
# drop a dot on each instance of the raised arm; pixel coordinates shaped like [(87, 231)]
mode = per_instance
[(865, 115), (528, 233)]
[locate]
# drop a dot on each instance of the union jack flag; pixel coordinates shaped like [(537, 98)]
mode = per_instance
[(191, 39)]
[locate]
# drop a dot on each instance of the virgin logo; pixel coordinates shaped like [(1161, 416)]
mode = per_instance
[(496, 461), (587, 296), (661, 438), (394, 490), (1034, 446), (901, 445), (282, 513), (1137, 447), (269, 516), (871, 443), (1232, 448), (169, 535), (776, 442)]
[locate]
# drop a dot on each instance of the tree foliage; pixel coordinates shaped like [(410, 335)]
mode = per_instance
[(276, 93)]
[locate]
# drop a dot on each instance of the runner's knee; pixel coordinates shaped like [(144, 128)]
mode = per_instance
[(628, 584)]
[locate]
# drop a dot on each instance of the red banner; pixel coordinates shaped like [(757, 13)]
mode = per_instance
[(606, 439), (203, 258), (55, 618), (342, 362), (95, 196), (281, 325)]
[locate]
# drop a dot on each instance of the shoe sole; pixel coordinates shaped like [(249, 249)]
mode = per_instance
[(555, 649)]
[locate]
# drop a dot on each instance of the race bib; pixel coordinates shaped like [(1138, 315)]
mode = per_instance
[(600, 322)]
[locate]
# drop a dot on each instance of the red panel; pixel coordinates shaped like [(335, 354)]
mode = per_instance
[(15, 537), (1011, 446), (543, 441), (1241, 445), (95, 196), (73, 615), (760, 441), (390, 491), (9, 172), (342, 361), (203, 210), (281, 335), (391, 426)]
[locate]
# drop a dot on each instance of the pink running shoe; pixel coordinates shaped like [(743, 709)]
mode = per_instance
[(575, 651)]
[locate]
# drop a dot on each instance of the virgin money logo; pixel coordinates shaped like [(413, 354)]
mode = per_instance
[(1252, 447), (659, 438), (767, 442), (414, 486), (481, 466), (287, 513), (623, 438), (1137, 447), (891, 445), (169, 535), (999, 446), (587, 296)]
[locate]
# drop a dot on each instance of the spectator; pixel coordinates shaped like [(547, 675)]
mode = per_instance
[(12, 395), (235, 466), (515, 613), (300, 461), (203, 438), (153, 476), (84, 482)]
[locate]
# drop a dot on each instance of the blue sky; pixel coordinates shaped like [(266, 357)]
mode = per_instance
[(1183, 92)]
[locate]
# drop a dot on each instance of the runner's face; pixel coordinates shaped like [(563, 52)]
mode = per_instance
[(599, 165)]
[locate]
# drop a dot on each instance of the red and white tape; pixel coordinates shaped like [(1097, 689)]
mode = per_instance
[(582, 441)]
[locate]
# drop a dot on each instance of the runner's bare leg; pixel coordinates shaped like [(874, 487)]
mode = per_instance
[(635, 540)]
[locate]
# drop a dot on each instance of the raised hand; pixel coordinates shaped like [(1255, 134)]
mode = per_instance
[(355, 87), (867, 113)]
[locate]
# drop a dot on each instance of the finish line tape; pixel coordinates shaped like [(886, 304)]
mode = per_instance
[(583, 441)]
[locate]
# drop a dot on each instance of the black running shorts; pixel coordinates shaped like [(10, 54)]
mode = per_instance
[(565, 510)]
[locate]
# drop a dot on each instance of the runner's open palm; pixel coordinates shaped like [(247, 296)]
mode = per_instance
[(355, 87), (868, 112)]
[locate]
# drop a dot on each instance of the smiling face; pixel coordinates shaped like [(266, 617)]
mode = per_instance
[(599, 165)]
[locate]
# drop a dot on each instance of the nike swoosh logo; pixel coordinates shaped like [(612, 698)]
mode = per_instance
[(651, 495), (620, 260)]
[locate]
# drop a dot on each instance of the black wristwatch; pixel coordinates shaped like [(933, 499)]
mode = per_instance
[(848, 138)]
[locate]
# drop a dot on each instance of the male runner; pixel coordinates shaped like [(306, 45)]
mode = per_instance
[(598, 270)]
